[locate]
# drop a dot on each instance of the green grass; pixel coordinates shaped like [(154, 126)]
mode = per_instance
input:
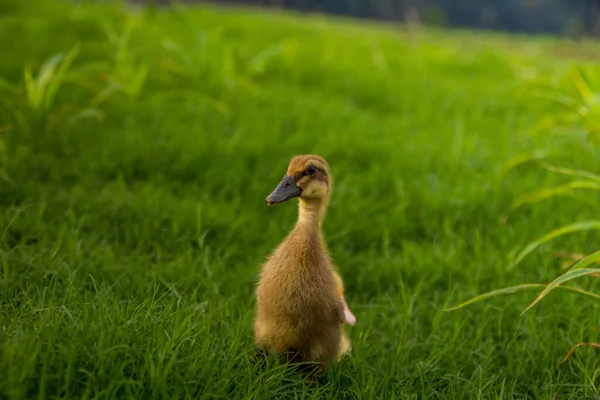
[(138, 146)]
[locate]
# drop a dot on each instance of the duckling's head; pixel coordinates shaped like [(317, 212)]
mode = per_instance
[(307, 177)]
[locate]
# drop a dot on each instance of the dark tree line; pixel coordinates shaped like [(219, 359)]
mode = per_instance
[(569, 17)]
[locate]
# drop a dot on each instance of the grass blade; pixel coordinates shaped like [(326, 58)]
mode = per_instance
[(577, 227), (30, 87), (524, 158), (584, 262), (570, 352), (572, 274), (47, 72), (571, 172), (13, 89), (515, 289), (543, 194), (584, 89), (60, 72), (571, 259)]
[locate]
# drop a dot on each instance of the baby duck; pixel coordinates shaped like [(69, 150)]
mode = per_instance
[(301, 307)]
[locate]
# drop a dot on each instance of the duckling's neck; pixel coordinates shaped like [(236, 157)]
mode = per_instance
[(311, 212)]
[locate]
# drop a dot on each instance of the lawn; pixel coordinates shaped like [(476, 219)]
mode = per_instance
[(137, 146)]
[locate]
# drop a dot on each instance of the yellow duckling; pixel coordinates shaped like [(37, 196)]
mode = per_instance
[(300, 296)]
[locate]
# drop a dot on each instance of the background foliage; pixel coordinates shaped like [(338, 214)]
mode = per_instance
[(529, 16)]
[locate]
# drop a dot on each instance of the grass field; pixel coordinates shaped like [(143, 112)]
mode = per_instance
[(133, 173)]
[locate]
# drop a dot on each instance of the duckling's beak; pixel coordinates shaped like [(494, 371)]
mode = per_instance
[(287, 189)]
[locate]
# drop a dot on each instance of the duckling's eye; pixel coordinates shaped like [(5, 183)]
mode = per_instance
[(311, 170)]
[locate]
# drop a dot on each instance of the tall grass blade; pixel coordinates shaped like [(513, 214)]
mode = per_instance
[(9, 87), (105, 94), (515, 289), (41, 91), (583, 87), (524, 158), (587, 260), (137, 80), (571, 172), (61, 71), (570, 352), (30, 88), (572, 274), (3, 174), (543, 194), (42, 82), (577, 227)]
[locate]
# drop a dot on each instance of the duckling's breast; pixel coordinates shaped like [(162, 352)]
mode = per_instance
[(298, 289)]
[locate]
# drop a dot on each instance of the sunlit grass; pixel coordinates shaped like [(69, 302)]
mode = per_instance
[(137, 147), (576, 271)]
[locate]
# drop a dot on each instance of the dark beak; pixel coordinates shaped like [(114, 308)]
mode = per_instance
[(286, 190)]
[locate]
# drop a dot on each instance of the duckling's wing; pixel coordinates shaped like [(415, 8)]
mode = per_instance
[(345, 346), (339, 283)]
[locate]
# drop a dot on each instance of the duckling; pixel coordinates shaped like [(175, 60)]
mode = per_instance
[(301, 307)]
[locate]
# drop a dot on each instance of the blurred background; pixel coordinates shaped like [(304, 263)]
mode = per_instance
[(563, 17)]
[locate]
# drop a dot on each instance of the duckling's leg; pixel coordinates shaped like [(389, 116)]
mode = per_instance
[(259, 355), (262, 343), (325, 349), (259, 333), (311, 381)]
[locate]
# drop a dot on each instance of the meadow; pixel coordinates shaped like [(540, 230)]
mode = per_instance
[(137, 146)]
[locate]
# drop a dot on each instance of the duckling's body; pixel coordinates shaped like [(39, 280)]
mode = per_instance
[(301, 307)]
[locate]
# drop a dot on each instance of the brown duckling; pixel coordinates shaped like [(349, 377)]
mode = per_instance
[(300, 296)]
